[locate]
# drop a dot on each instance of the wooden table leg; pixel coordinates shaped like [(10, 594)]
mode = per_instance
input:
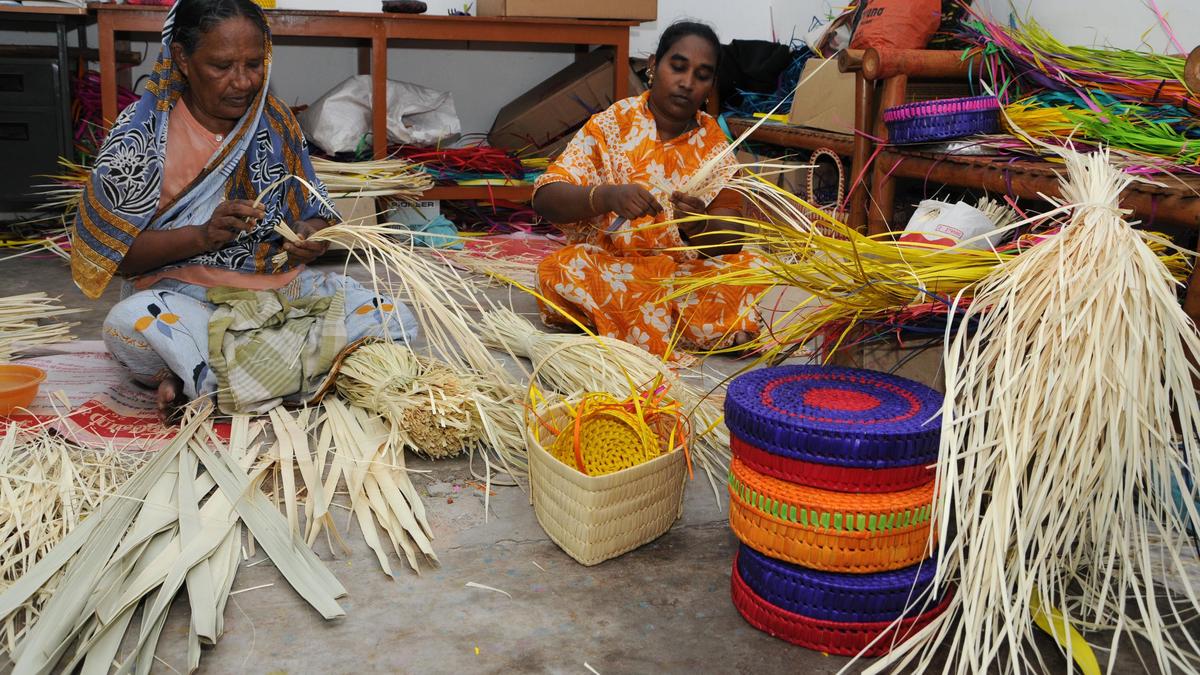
[(621, 67), (379, 82), (108, 70), (865, 98), (883, 188), (364, 60)]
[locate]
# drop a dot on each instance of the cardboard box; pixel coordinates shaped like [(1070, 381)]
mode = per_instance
[(923, 365), (416, 214), (644, 10), (542, 120), (825, 99), (359, 210)]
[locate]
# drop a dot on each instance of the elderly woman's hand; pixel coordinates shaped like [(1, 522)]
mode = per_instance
[(305, 252), (229, 220)]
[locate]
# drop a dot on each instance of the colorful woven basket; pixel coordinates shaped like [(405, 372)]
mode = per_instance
[(832, 637), (946, 119), (830, 596), (828, 476), (829, 531), (595, 518), (836, 416)]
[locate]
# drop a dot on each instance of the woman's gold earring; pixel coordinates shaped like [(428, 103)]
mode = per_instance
[(650, 79)]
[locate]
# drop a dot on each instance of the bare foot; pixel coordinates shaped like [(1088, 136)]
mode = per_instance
[(170, 399)]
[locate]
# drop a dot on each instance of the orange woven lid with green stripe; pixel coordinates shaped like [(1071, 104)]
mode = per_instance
[(832, 531)]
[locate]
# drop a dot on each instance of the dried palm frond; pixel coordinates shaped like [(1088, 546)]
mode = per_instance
[(437, 295), (380, 178), (852, 280), (21, 323), (381, 494), (48, 488), (175, 524), (492, 268), (1070, 415)]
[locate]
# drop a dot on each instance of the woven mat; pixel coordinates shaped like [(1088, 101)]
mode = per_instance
[(102, 405)]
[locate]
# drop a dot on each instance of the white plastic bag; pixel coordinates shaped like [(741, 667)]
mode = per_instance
[(950, 224), (417, 115)]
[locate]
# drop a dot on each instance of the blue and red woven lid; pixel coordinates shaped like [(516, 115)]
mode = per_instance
[(790, 417), (835, 613)]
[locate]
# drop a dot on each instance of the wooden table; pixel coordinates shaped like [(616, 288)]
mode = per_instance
[(63, 19), (377, 29)]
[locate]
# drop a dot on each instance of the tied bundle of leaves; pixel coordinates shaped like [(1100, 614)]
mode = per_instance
[(1070, 417)]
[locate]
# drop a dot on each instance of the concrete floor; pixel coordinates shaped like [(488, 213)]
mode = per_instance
[(662, 608)]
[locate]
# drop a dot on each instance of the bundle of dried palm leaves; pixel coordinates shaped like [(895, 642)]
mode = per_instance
[(175, 525), (29, 320), (397, 178), (49, 486), (433, 408), (1070, 417)]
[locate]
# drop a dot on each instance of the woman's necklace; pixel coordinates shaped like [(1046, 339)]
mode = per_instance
[(687, 126)]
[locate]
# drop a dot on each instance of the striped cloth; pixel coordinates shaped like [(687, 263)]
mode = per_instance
[(264, 348)]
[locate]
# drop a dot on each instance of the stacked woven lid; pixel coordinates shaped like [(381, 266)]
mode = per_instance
[(831, 491)]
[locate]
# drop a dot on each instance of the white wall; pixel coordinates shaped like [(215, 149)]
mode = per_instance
[(484, 79), (1113, 23)]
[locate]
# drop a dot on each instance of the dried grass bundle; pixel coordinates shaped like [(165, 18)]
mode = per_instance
[(25, 321), (437, 295), (428, 406), (857, 282), (433, 408), (380, 178), (1070, 415)]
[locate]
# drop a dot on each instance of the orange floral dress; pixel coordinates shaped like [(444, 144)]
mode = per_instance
[(616, 276)]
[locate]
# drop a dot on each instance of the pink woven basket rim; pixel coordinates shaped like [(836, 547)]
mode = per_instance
[(947, 106)]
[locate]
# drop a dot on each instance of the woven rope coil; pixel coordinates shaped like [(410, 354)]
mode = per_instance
[(830, 531)]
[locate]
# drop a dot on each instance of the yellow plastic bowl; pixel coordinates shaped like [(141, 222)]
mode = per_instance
[(18, 386)]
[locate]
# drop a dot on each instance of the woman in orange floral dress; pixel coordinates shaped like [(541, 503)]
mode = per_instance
[(613, 190)]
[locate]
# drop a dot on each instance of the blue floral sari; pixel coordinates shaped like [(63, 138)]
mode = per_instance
[(122, 196)]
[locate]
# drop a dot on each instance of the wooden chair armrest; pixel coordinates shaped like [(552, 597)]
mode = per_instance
[(922, 64), (851, 60)]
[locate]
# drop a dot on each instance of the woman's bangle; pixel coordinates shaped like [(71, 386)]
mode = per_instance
[(592, 198)]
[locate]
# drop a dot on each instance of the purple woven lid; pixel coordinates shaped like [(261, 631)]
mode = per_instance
[(847, 598), (840, 416)]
